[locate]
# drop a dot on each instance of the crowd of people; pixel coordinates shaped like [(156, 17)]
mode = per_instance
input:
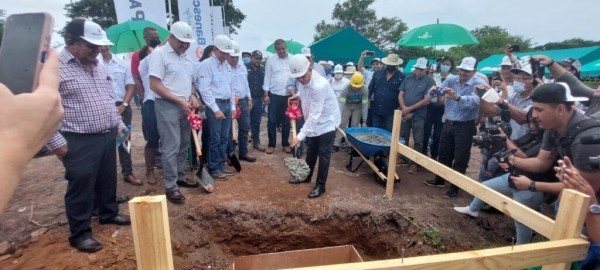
[(549, 126)]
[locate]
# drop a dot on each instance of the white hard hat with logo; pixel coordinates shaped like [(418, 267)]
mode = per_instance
[(236, 49), (182, 31), (299, 65), (223, 43)]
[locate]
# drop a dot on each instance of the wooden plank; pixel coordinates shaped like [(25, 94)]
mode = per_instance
[(517, 257), (151, 234), (389, 185), (533, 219), (298, 258), (569, 220)]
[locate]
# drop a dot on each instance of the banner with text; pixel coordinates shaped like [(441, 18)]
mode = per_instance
[(154, 11), (197, 13)]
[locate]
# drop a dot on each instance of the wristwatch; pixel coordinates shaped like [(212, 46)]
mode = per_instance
[(532, 187), (458, 99), (594, 209), (125, 104)]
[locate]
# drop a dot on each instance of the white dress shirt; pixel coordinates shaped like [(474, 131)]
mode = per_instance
[(175, 71), (277, 73), (143, 69), (339, 86), (319, 107), (239, 80), (120, 74), (214, 82)]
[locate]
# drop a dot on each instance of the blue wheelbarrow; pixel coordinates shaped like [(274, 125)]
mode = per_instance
[(366, 150)]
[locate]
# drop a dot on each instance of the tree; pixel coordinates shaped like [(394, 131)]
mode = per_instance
[(384, 32), (103, 12), (567, 44), (492, 40), (2, 18)]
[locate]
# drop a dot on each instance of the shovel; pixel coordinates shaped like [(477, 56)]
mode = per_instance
[(233, 159), (204, 178)]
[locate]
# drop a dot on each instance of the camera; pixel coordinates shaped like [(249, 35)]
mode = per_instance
[(490, 137), (502, 157)]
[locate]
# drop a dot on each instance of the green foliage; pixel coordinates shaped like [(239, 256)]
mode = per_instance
[(384, 32), (432, 235), (567, 44), (103, 12), (492, 40)]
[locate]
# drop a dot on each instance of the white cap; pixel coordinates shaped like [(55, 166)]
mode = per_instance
[(182, 31), (236, 49), (299, 65), (468, 63), (421, 63), (338, 69), (306, 52), (350, 70), (376, 59), (506, 61), (349, 64), (223, 43), (93, 33), (525, 67)]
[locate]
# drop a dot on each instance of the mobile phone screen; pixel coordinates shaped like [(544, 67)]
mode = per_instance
[(24, 46)]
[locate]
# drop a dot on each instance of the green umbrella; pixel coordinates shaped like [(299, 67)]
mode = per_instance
[(293, 47), (129, 36), (437, 34)]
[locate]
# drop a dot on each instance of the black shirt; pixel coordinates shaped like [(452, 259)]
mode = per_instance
[(256, 77), (383, 93)]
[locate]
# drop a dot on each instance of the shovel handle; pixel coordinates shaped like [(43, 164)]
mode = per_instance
[(234, 129), (293, 122), (197, 143)]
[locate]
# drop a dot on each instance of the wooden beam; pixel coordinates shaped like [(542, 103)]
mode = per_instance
[(517, 257), (391, 172), (151, 234), (569, 220)]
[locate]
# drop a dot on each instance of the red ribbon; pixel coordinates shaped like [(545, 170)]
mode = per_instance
[(293, 110), (237, 113), (195, 121)]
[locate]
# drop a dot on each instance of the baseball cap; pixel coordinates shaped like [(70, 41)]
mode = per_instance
[(468, 63), (182, 31), (506, 61), (88, 31), (571, 62), (306, 52), (375, 60), (223, 43), (554, 93), (421, 63), (257, 54)]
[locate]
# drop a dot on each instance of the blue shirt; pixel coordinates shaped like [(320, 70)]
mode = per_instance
[(467, 108), (383, 93)]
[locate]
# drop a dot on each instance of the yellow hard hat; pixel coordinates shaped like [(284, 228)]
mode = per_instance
[(357, 80)]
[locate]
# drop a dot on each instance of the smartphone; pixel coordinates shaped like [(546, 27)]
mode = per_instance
[(480, 90), (496, 76), (515, 48), (370, 53), (439, 92), (25, 44)]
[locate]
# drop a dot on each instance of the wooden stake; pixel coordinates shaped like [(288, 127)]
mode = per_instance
[(151, 234), (389, 185)]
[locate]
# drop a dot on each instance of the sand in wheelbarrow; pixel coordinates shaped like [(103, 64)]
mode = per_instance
[(298, 168), (372, 138)]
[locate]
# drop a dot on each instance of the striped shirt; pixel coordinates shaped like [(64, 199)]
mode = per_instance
[(88, 100)]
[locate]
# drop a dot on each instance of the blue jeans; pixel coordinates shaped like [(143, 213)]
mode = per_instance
[(149, 125), (384, 122), (530, 199), (277, 107), (219, 135), (243, 129), (255, 117)]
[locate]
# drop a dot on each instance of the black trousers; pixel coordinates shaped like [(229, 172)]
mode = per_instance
[(319, 147), (455, 145), (91, 172), (277, 107), (124, 157), (433, 120)]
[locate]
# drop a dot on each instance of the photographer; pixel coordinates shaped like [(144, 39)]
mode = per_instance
[(526, 146)]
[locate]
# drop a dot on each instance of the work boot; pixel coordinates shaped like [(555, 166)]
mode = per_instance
[(150, 162)]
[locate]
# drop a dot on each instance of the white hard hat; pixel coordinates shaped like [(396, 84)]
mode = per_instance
[(306, 52), (93, 33), (338, 69), (182, 31), (506, 61), (299, 64), (236, 49), (223, 43)]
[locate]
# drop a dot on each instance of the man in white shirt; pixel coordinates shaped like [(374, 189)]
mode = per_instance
[(122, 82), (149, 124), (276, 96), (170, 73), (214, 83), (241, 91), (321, 114)]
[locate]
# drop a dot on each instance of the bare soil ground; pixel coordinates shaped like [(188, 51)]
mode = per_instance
[(254, 212)]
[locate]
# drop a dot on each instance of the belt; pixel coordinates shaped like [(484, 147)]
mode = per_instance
[(225, 101), (456, 123), (87, 134)]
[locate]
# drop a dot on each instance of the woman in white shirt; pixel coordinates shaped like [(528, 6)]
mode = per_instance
[(338, 82)]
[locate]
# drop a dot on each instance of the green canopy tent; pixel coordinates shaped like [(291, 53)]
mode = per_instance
[(591, 69), (585, 55), (344, 46)]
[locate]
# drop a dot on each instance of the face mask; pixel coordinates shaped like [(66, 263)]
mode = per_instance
[(519, 87), (445, 68), (246, 60), (339, 75), (154, 42), (391, 68)]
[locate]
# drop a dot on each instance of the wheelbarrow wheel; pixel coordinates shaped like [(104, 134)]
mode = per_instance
[(381, 164)]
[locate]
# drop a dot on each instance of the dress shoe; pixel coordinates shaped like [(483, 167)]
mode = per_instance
[(118, 219), (316, 192), (248, 158), (88, 245), (270, 150), (259, 147), (175, 197), (121, 199), (229, 171), (131, 179), (287, 149), (187, 183), (219, 176)]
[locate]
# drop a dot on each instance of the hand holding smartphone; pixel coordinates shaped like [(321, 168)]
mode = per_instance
[(370, 53), (24, 49)]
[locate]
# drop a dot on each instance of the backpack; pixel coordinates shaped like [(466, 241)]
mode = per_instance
[(572, 133)]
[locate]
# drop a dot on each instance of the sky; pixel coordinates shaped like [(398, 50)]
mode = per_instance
[(267, 20)]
